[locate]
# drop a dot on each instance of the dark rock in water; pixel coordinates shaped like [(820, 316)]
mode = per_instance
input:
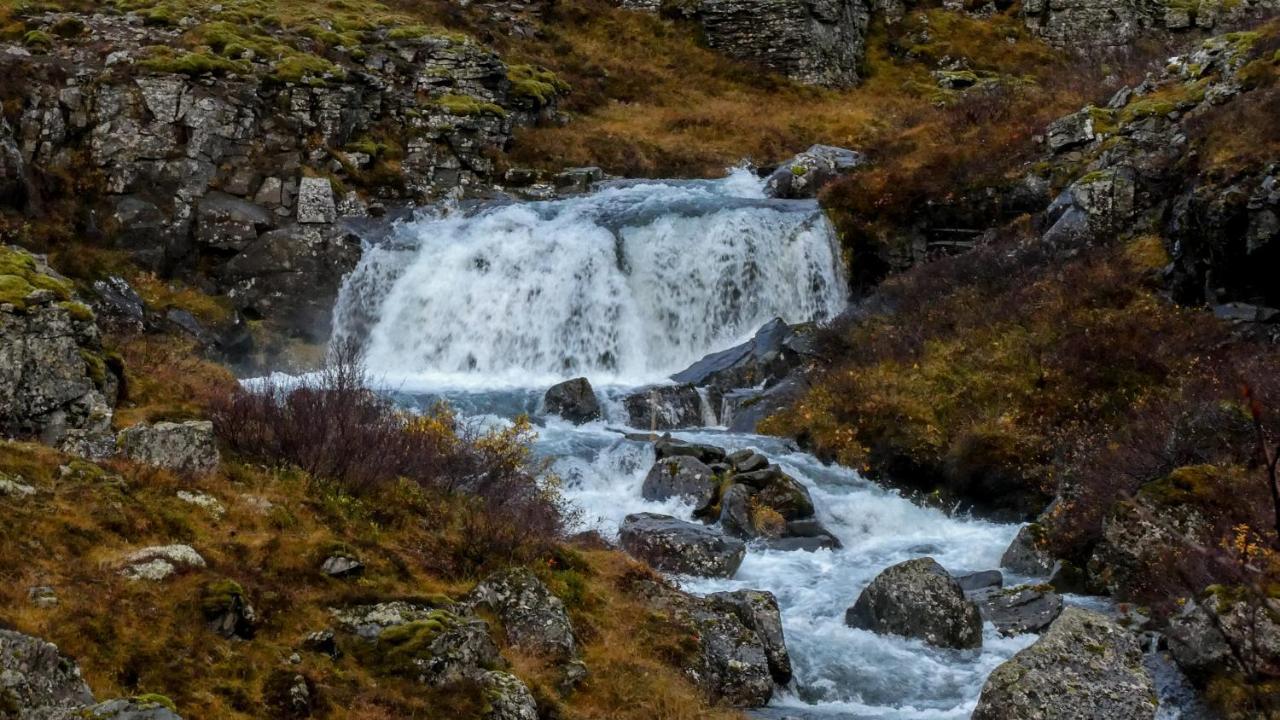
[(803, 543), (665, 407), (747, 408), (681, 476), (918, 598), (745, 461), (980, 580), (1018, 610), (1068, 578), (763, 359), (732, 664), (1084, 666), (1024, 556), (668, 447), (676, 546), (533, 618), (759, 479), (574, 400), (805, 174), (787, 497), (758, 610), (735, 511)]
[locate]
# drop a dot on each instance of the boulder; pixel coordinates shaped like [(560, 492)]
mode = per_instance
[(786, 496), (188, 447), (818, 43), (1207, 634), (667, 407), (1024, 556), (668, 447), (1085, 666), (682, 476), (34, 675), (766, 358), (745, 461), (1018, 610), (808, 172), (758, 611), (315, 201), (227, 610), (159, 562), (675, 546), (506, 697), (573, 400), (341, 566), (918, 598), (533, 618), (433, 644)]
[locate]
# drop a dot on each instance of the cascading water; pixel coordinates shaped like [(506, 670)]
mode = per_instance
[(625, 285)]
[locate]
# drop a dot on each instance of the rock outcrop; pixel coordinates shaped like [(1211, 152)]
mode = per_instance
[(918, 598), (531, 615), (574, 400), (1216, 632), (55, 383), (159, 562), (677, 546), (1085, 666), (187, 447), (808, 172), (758, 611), (434, 645), (1113, 25)]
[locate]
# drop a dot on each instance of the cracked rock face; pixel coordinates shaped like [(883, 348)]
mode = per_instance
[(918, 598), (1084, 666), (676, 546), (185, 447), (532, 616), (35, 675)]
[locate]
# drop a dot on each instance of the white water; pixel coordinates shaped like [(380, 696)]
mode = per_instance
[(625, 285)]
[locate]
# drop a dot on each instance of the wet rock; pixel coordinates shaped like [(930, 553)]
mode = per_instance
[(763, 360), (533, 618), (574, 400), (681, 476), (745, 461), (1024, 555), (665, 407), (918, 598), (758, 610), (35, 676), (159, 562), (676, 546), (187, 447), (805, 174), (1084, 666), (578, 180), (342, 566), (227, 610), (786, 496), (735, 512), (668, 447), (1018, 610), (981, 580)]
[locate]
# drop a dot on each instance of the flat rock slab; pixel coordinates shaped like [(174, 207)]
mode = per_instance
[(675, 546)]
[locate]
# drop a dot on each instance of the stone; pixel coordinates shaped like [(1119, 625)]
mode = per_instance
[(342, 566), (435, 645), (1024, 556), (1071, 131), (187, 447), (159, 562), (919, 599), (1085, 666), (15, 488), (574, 400), (227, 610), (119, 305), (667, 447), (43, 596), (804, 175), (201, 500), (507, 698), (675, 546), (226, 222), (772, 353), (578, 180), (1206, 634), (1018, 610), (322, 641), (666, 407), (533, 618), (980, 580), (745, 461), (36, 676), (758, 611), (786, 496), (127, 709), (683, 477), (315, 201)]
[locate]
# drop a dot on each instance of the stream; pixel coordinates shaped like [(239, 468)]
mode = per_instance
[(625, 286)]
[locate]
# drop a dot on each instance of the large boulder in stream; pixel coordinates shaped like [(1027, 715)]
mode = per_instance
[(1084, 667), (668, 407), (675, 546), (574, 400), (682, 476), (918, 598)]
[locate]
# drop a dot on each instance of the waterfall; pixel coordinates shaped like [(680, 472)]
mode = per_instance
[(624, 285)]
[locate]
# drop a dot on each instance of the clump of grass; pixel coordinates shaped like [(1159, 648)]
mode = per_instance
[(537, 84)]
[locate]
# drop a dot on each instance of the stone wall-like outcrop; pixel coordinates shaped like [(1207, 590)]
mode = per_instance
[(1114, 24), (817, 42), (226, 147)]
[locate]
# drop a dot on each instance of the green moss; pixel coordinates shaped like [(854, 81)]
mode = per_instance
[(400, 647), (307, 70), (537, 84), (68, 27), (14, 290), (96, 367), (19, 277), (155, 700), (1197, 485), (799, 170), (38, 39), (168, 60), (467, 105), (77, 310), (1103, 120), (219, 595)]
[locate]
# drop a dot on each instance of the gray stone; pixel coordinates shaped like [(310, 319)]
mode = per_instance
[(459, 646), (341, 566), (533, 618), (918, 598), (159, 562), (574, 400), (980, 580), (226, 222), (1024, 555), (125, 709), (187, 447), (676, 546), (1207, 634), (507, 698), (808, 172), (35, 676), (745, 461), (684, 477), (315, 201), (758, 611), (666, 407), (1083, 667), (1071, 131), (667, 447), (1018, 610)]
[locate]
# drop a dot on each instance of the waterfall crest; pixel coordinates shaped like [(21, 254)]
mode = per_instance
[(625, 285)]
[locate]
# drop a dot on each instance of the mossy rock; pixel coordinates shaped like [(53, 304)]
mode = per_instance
[(466, 105), (537, 84), (20, 276)]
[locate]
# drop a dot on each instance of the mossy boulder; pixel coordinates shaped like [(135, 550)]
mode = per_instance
[(918, 598), (227, 610), (435, 643)]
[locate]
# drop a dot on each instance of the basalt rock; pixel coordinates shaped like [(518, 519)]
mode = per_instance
[(676, 546), (1084, 666), (918, 598), (574, 400)]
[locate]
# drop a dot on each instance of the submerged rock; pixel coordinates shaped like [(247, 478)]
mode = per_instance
[(1085, 666), (676, 546), (574, 400), (918, 598)]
